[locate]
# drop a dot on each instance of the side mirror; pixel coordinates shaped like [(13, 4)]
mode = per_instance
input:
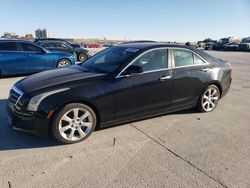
[(133, 69)]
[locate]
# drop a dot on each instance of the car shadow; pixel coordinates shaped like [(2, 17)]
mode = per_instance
[(13, 140), (15, 75)]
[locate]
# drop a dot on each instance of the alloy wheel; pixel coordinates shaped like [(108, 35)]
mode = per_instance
[(210, 98), (63, 63), (82, 57), (75, 124)]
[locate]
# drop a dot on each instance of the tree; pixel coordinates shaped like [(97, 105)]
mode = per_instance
[(207, 40)]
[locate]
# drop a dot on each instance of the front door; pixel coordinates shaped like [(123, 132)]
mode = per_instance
[(147, 92), (12, 60), (64, 48)]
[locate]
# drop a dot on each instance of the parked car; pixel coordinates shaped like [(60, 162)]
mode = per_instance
[(137, 41), (191, 44), (210, 45), (79, 53), (73, 45), (107, 45), (245, 44), (231, 47), (222, 43), (200, 44), (21, 57), (92, 45), (120, 84)]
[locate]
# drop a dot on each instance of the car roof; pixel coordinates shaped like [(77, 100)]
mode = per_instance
[(147, 45), (152, 45)]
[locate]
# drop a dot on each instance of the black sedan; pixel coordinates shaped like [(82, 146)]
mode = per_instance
[(121, 84), (73, 45), (80, 54)]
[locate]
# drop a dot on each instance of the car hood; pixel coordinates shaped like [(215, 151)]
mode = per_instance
[(57, 78)]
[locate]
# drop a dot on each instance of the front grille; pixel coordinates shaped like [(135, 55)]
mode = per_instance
[(14, 95)]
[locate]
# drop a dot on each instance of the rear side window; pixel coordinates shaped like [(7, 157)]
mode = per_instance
[(186, 58), (8, 46), (197, 60), (30, 47), (183, 58), (153, 60)]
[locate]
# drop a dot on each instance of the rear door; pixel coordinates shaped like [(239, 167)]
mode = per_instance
[(12, 59), (189, 76)]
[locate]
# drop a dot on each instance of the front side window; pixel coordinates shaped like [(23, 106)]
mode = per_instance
[(30, 47), (8, 46), (48, 45), (153, 60), (62, 46)]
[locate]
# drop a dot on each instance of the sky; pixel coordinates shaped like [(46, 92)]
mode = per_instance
[(162, 20)]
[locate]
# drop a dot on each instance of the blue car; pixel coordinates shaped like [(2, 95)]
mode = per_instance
[(23, 57)]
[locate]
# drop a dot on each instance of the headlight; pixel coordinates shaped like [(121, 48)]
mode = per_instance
[(36, 100)]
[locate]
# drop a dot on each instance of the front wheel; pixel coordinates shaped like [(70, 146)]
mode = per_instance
[(209, 99), (74, 123), (63, 63)]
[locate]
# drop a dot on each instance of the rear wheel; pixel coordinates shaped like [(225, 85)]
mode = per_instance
[(74, 123), (82, 57), (63, 63), (209, 99)]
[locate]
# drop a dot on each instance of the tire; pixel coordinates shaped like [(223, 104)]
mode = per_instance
[(82, 57), (68, 127), (209, 99), (63, 63)]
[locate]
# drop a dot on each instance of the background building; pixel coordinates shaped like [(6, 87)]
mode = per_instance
[(10, 35), (41, 33), (29, 36)]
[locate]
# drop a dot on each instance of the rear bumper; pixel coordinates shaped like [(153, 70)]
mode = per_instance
[(226, 84), (28, 123)]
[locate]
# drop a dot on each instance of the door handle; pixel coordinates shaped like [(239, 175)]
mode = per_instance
[(205, 69), (164, 78)]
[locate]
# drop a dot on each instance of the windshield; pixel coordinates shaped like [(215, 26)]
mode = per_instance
[(107, 61)]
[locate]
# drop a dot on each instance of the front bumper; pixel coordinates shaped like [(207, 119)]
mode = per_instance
[(28, 123)]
